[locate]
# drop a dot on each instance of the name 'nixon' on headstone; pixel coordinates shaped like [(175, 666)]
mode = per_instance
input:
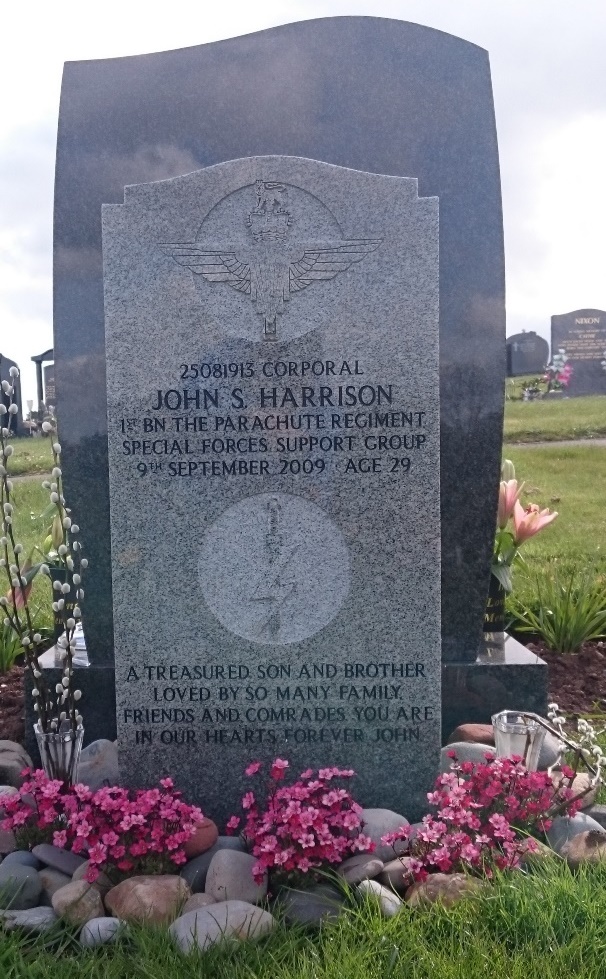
[(273, 415)]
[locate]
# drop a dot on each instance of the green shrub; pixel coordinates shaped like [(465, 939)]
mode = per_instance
[(570, 610)]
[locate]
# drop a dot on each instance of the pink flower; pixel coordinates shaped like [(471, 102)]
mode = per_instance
[(530, 521), (232, 824), (509, 493), (253, 768), (278, 769), (248, 800)]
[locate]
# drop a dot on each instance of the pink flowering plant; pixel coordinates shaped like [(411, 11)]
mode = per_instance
[(515, 524), (120, 831), (485, 815), (298, 831)]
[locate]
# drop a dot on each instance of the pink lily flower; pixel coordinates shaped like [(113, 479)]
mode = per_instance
[(528, 522), (509, 493)]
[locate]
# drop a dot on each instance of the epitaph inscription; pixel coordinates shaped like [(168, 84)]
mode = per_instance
[(275, 507)]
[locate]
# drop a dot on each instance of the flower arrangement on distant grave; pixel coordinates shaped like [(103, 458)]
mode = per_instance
[(59, 726)]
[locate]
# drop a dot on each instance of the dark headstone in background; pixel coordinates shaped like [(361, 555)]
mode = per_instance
[(48, 373), (15, 422), (371, 94), (527, 353), (582, 335)]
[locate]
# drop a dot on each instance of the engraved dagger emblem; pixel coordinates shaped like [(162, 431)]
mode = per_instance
[(280, 582), (274, 266)]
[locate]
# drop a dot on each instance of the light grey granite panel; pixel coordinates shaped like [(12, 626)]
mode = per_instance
[(273, 417)]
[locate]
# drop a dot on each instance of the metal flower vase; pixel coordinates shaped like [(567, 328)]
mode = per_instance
[(60, 751), (518, 734)]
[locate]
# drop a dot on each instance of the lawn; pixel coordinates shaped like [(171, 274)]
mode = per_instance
[(31, 455), (548, 924), (552, 420), (571, 480)]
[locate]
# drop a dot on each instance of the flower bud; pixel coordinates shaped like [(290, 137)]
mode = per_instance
[(71, 624), (65, 588), (56, 472), (56, 585), (45, 484), (47, 427), (62, 550), (54, 498), (9, 485), (508, 470), (76, 579), (18, 548), (13, 409), (6, 387), (59, 688), (57, 448), (44, 569), (62, 716), (84, 563), (65, 681), (77, 694), (35, 692), (2, 408), (8, 450), (75, 528), (37, 637), (13, 372)]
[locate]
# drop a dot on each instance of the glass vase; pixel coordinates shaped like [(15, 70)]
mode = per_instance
[(60, 751), (518, 734)]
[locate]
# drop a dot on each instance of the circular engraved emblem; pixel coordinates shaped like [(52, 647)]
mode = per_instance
[(274, 568)]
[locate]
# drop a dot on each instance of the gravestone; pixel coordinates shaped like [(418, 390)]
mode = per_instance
[(369, 94), (48, 372), (273, 412), (14, 422), (581, 337), (527, 353)]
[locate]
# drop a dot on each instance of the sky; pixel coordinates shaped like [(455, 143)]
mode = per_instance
[(549, 80)]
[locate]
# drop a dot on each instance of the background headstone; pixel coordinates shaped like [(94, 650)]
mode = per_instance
[(366, 93), (527, 353), (273, 411), (582, 335), (15, 422)]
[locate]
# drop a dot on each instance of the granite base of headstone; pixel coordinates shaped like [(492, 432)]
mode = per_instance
[(505, 676)]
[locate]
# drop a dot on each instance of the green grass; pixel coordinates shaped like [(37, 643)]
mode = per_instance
[(30, 501), (571, 480), (551, 421), (550, 924), (30, 456)]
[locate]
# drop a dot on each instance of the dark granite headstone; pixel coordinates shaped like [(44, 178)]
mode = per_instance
[(48, 373), (370, 94), (580, 336), (527, 353), (273, 409), (14, 422)]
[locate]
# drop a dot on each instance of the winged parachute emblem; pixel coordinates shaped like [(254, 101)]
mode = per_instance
[(272, 270)]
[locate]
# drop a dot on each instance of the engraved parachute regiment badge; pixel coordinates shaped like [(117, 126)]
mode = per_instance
[(274, 266)]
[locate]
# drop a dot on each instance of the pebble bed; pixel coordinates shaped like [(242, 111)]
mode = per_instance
[(214, 896)]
